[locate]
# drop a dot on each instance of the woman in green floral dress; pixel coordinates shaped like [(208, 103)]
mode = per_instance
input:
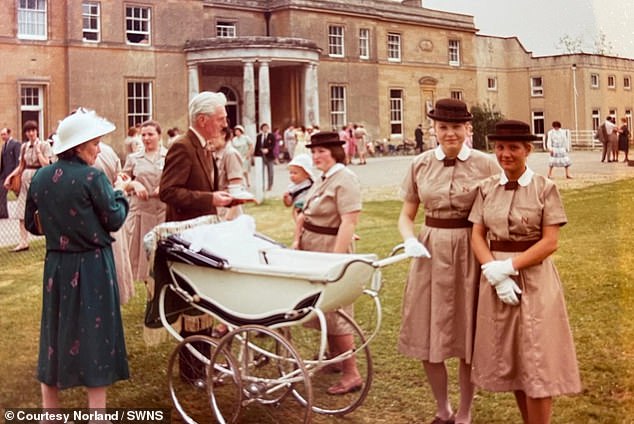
[(81, 334)]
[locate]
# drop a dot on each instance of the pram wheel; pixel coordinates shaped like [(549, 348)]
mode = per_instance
[(268, 367), (190, 395), (307, 341)]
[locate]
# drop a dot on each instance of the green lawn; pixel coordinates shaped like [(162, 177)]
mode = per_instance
[(595, 260)]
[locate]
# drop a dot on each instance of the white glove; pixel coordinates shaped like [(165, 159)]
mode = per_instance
[(496, 271), (507, 291), (415, 249)]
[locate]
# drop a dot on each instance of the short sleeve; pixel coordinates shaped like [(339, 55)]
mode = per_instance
[(475, 216), (349, 195), (554, 213), (409, 186)]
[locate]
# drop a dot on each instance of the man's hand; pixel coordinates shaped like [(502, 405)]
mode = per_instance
[(221, 198)]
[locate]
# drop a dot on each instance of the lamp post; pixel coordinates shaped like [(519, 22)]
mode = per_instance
[(574, 98)]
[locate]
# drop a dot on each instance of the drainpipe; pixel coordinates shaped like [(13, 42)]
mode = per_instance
[(267, 18)]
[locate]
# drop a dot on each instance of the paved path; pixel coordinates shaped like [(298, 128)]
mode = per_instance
[(381, 178)]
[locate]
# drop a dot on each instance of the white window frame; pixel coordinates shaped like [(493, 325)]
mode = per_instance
[(32, 19), (336, 41), (492, 84), (628, 118), (139, 101), (364, 43), (393, 47), (141, 24), (627, 82), (596, 118), (594, 80), (454, 52), (538, 116), (396, 111), (612, 81), (32, 100), (226, 29), (456, 95), (537, 86), (338, 114), (91, 14)]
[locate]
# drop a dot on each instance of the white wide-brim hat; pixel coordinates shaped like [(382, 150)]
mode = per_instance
[(304, 161), (78, 128)]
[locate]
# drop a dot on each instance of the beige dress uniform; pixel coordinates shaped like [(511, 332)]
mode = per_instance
[(144, 214), (229, 163), (338, 194), (108, 161), (438, 313), (27, 150), (527, 347)]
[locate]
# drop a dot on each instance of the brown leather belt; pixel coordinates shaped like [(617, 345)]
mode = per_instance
[(331, 231), (447, 223), (510, 246), (32, 167)]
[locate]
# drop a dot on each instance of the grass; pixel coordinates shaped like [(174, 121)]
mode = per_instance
[(595, 259)]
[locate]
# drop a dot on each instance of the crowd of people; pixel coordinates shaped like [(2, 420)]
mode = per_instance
[(482, 286)]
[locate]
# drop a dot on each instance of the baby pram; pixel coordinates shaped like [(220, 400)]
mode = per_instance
[(274, 300)]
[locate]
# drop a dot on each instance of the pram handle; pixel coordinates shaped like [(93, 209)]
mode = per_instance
[(392, 258)]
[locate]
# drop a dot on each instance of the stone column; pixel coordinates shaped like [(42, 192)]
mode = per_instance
[(311, 96), (264, 92), (194, 85), (248, 91)]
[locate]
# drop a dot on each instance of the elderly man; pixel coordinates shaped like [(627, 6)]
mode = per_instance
[(9, 160), (189, 187)]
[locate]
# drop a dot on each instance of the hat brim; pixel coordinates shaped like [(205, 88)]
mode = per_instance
[(524, 137), (326, 144), (445, 118), (99, 130)]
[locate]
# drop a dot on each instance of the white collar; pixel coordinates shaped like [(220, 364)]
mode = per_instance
[(524, 180), (201, 139), (333, 169), (463, 155)]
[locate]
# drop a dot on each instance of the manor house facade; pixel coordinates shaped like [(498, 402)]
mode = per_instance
[(326, 62)]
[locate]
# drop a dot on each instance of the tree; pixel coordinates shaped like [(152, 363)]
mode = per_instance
[(603, 46), (570, 45), (484, 119)]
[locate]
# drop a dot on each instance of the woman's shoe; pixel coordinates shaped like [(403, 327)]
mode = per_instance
[(438, 420), (343, 388), (20, 248)]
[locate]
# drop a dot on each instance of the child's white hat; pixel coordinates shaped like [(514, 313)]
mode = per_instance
[(304, 161)]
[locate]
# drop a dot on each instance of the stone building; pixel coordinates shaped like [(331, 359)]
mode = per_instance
[(326, 62)]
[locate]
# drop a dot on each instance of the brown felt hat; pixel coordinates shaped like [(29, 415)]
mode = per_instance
[(511, 130), (450, 110), (325, 139)]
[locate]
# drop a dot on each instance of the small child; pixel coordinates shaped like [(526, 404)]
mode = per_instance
[(301, 176)]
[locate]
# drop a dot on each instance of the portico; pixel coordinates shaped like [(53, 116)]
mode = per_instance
[(285, 90)]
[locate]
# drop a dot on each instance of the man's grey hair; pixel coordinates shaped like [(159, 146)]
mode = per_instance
[(205, 102)]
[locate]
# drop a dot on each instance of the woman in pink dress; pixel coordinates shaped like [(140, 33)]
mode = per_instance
[(441, 292), (523, 341)]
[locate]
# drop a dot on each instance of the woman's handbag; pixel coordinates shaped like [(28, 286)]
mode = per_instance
[(15, 183)]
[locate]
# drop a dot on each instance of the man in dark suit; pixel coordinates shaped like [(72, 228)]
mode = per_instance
[(418, 136), (189, 187), (9, 160), (264, 147)]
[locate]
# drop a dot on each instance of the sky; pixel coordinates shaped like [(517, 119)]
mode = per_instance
[(540, 24)]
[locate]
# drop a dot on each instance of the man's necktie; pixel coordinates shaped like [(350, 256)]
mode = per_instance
[(449, 162)]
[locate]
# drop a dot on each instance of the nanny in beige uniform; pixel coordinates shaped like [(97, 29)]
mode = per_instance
[(327, 224), (438, 316), (146, 209), (523, 341)]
